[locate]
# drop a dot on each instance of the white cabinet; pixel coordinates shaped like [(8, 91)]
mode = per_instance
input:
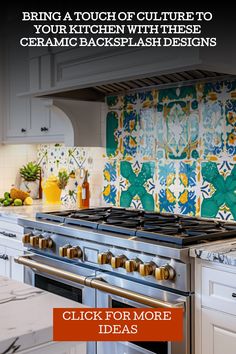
[(11, 247), (3, 265), (218, 332), (27, 119), (59, 348), (16, 79), (8, 267), (215, 308)]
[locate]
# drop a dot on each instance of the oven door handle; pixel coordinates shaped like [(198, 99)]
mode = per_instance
[(96, 284)]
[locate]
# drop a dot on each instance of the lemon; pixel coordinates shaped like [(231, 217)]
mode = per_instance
[(28, 201)]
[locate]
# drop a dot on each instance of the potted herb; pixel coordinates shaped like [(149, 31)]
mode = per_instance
[(30, 174)]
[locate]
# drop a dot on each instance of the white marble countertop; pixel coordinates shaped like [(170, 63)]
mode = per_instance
[(28, 211), (221, 252), (26, 315)]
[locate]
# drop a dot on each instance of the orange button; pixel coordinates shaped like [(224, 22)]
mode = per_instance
[(117, 324)]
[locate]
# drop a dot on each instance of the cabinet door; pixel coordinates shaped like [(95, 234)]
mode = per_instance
[(2, 261), (40, 117), (218, 332), (14, 270), (17, 76)]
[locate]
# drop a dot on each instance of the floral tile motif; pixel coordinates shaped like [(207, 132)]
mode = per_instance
[(179, 131), (177, 128), (77, 157), (148, 99), (230, 115), (146, 137), (115, 102), (57, 158), (130, 101), (218, 190), (137, 184), (110, 188), (213, 128), (112, 133), (52, 158), (177, 187), (218, 100)]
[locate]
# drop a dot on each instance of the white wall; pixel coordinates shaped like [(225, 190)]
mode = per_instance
[(86, 118), (12, 157)]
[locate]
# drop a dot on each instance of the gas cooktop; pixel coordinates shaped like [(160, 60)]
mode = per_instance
[(170, 228)]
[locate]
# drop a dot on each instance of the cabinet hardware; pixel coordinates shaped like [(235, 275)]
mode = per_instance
[(233, 294), (23, 130), (8, 234), (44, 129), (4, 257)]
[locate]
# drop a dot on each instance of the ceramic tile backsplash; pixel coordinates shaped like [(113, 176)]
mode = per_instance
[(12, 157), (54, 157), (173, 150)]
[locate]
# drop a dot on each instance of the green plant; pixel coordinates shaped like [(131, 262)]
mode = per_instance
[(63, 178), (30, 172)]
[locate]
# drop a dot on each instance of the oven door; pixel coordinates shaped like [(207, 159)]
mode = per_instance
[(113, 301), (54, 284), (66, 288)]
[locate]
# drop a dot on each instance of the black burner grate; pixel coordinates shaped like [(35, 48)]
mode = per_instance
[(171, 228)]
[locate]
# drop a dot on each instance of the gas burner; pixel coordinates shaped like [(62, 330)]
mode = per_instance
[(175, 229)]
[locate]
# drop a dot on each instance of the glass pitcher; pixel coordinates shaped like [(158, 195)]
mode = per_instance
[(51, 190)]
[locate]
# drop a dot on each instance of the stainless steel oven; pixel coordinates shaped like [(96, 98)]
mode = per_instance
[(168, 298), (110, 268), (102, 289)]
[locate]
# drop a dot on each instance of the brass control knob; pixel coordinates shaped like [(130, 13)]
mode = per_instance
[(74, 252), (104, 257), (165, 272), (132, 264), (147, 268), (45, 243), (63, 250), (34, 240), (26, 238), (118, 261)]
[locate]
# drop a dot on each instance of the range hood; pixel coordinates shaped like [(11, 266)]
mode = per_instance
[(90, 74), (99, 92)]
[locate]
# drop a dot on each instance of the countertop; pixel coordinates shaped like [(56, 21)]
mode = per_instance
[(26, 315), (221, 252), (28, 211)]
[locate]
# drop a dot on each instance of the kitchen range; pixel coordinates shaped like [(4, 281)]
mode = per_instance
[(114, 257)]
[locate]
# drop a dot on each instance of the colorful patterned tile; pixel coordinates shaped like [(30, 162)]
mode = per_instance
[(130, 121), (212, 128), (146, 136), (57, 158), (130, 101), (230, 115), (218, 190), (218, 115), (77, 157), (110, 188), (115, 102), (177, 186), (113, 133), (177, 129), (148, 99), (137, 184)]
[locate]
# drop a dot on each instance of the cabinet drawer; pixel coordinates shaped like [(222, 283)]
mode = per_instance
[(219, 289)]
